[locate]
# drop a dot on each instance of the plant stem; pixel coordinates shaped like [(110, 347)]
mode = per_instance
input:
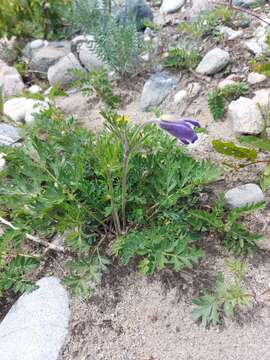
[(114, 209), (124, 182)]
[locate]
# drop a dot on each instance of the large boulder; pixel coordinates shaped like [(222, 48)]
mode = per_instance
[(258, 45), (262, 98), (245, 116), (10, 80), (9, 134), (170, 6), (41, 54), (89, 58), (61, 73), (37, 324), (242, 195), (214, 61), (156, 89), (199, 6)]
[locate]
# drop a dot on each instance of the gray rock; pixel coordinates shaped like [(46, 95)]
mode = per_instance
[(36, 326), (199, 6), (245, 3), (214, 61), (244, 195), (10, 80), (9, 135), (21, 109), (60, 73), (42, 58), (258, 45), (156, 89), (135, 9), (89, 58), (246, 117), (8, 50), (170, 6), (230, 34), (262, 98)]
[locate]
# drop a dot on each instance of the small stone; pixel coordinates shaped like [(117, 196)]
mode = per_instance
[(156, 89), (246, 3), (61, 72), (230, 34), (39, 323), (180, 97), (37, 44), (245, 116), (262, 98), (194, 89), (255, 78), (9, 134), (226, 82), (255, 47), (214, 61), (34, 89), (242, 195), (170, 6)]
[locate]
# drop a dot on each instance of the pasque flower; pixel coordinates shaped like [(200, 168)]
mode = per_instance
[(183, 129)]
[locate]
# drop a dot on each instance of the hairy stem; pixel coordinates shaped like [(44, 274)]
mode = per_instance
[(114, 208)]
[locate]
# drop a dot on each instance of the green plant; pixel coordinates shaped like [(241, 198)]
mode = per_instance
[(116, 42), (218, 97), (159, 247), (180, 58), (235, 236), (224, 300), (230, 149), (34, 18), (207, 23), (97, 81)]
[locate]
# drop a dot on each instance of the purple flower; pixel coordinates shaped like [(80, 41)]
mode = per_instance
[(183, 129)]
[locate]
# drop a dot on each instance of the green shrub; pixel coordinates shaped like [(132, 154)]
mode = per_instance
[(117, 43), (182, 59), (34, 18), (218, 97)]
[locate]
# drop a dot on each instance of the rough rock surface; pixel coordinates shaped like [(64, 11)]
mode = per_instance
[(170, 6), (156, 89), (255, 78), (9, 134), (37, 324), (11, 80), (262, 97), (21, 109), (41, 58), (60, 73), (214, 61), (245, 116), (244, 195)]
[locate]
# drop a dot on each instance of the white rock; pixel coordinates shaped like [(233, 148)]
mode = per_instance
[(256, 78), (180, 97), (37, 107), (2, 161), (245, 116), (230, 34), (226, 82), (242, 195), (37, 44), (61, 72), (256, 47), (170, 6), (36, 326), (18, 108), (214, 61), (262, 97), (10, 80), (34, 89)]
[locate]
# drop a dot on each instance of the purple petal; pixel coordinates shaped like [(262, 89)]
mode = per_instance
[(195, 123), (182, 130)]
